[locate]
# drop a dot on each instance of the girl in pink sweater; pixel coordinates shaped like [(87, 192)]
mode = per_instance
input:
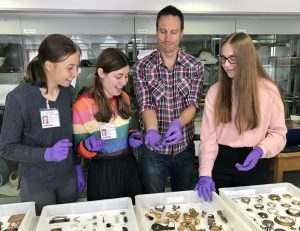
[(243, 121)]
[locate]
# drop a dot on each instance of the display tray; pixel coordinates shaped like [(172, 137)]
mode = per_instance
[(17, 216), (111, 214), (185, 209), (268, 206)]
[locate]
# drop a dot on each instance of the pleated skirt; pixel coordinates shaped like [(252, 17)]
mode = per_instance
[(113, 177)]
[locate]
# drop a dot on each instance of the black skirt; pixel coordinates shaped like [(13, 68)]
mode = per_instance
[(113, 177), (225, 173)]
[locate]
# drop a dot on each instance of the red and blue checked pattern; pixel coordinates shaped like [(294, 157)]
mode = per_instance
[(169, 91)]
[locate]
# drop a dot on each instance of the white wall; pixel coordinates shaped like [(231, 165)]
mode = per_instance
[(187, 6)]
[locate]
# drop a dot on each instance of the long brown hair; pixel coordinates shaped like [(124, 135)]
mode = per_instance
[(54, 48), (110, 59), (248, 71)]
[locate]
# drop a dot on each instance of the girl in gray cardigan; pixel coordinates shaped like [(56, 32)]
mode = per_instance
[(47, 169)]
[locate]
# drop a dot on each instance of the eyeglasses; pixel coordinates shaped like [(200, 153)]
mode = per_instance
[(231, 59)]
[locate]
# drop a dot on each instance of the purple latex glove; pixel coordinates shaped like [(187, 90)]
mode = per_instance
[(173, 134), (94, 144), (251, 160), (80, 178), (58, 151), (205, 187), (153, 139), (135, 139)]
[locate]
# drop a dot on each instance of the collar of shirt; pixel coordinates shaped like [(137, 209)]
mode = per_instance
[(181, 59)]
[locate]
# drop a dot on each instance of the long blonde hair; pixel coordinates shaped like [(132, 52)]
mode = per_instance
[(248, 71)]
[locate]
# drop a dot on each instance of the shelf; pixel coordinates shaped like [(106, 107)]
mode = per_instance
[(285, 61)]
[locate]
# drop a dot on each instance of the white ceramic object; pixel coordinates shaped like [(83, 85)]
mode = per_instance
[(14, 178), (2, 59)]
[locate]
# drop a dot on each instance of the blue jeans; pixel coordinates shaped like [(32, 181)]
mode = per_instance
[(155, 166)]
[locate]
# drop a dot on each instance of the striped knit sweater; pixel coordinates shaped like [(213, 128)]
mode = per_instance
[(85, 124)]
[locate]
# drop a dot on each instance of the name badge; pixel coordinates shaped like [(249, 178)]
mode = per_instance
[(50, 118), (108, 131)]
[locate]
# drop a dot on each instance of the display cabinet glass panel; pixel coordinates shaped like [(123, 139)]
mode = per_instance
[(276, 39)]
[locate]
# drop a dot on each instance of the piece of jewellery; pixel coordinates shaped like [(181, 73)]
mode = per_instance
[(259, 198), (193, 213), (268, 223), (272, 210), (159, 227), (159, 207), (259, 206), (149, 217), (219, 212), (59, 219), (175, 207), (262, 215), (287, 196), (295, 202), (271, 204), (274, 197), (285, 205), (284, 221), (245, 200), (293, 212)]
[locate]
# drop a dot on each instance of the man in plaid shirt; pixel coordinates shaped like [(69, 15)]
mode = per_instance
[(168, 85)]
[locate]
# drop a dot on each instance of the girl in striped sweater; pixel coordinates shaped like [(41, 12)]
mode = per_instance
[(101, 119)]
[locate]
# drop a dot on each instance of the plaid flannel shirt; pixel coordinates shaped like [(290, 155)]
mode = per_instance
[(169, 91)]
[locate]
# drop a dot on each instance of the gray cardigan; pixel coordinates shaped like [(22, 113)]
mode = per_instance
[(24, 140)]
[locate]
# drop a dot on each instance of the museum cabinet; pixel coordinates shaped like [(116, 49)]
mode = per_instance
[(276, 38)]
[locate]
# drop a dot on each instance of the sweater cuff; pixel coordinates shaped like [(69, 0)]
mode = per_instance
[(40, 157), (263, 148), (81, 149), (131, 131)]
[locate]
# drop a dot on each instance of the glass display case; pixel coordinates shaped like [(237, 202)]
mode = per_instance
[(278, 47), (135, 34), (280, 56)]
